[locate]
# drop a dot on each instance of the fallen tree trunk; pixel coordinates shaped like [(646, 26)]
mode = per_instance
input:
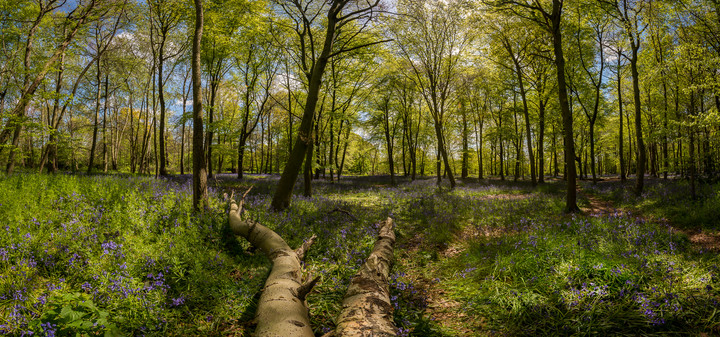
[(367, 310), (282, 310)]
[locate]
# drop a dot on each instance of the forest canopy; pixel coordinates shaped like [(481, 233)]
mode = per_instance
[(450, 88)]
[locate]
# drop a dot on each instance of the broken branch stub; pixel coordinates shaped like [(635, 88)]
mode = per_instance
[(367, 310), (282, 310)]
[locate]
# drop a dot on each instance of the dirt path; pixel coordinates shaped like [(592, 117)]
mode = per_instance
[(443, 311)]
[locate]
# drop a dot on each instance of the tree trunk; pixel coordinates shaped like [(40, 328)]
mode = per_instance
[(95, 120), (465, 150), (182, 136), (592, 151), (367, 309), (50, 150), (307, 181), (161, 98), (621, 141), (443, 152), (571, 192), (210, 132), (241, 157), (342, 161), (478, 144), (104, 127), (389, 140), (526, 113), (283, 192), (200, 192), (541, 142), (517, 143), (640, 167)]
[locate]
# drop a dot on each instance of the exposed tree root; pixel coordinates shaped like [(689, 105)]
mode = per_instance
[(340, 210), (367, 310), (282, 310)]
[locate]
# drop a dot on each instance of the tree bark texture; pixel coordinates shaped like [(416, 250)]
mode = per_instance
[(367, 310), (200, 192)]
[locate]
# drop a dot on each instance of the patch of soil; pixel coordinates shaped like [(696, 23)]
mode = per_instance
[(709, 241), (445, 312), (448, 313), (598, 207)]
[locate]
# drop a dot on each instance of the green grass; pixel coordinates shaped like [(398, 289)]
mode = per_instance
[(667, 199), (118, 254)]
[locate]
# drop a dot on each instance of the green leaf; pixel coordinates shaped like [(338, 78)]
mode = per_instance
[(113, 331), (67, 314)]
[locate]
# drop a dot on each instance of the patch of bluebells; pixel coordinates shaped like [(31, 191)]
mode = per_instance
[(613, 262), (78, 247), (407, 300)]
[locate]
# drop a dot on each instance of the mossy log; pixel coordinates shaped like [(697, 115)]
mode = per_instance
[(282, 310), (367, 310)]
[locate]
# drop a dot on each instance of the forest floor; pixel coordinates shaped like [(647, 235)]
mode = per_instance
[(123, 254), (702, 238)]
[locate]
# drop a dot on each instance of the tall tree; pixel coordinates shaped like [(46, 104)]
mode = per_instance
[(432, 38), (200, 192), (516, 48), (629, 14), (257, 67), (550, 19), (75, 20), (303, 15), (595, 72), (166, 16)]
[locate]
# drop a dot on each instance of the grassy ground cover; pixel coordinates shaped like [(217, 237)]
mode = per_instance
[(124, 255)]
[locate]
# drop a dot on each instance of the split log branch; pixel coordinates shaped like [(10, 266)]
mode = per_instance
[(282, 310)]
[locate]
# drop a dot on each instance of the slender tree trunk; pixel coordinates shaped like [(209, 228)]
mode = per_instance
[(640, 167), (342, 162), (161, 98), (388, 138), (517, 143), (478, 144), (283, 192), (104, 127), (333, 153), (95, 120), (443, 151), (526, 113), (556, 172), (592, 151), (541, 142), (621, 141), (184, 121), (50, 150), (307, 186), (200, 192), (210, 134), (465, 150), (571, 193), (691, 161), (241, 156)]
